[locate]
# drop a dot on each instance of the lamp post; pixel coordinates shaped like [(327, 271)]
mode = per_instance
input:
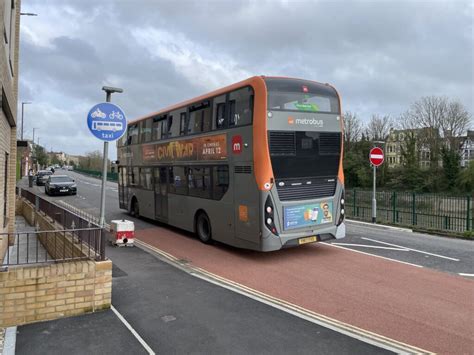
[(108, 91), (34, 128), (22, 118)]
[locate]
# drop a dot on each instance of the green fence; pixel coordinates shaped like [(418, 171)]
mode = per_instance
[(111, 176), (425, 211)]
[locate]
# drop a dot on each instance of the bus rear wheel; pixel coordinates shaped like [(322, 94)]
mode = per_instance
[(203, 228)]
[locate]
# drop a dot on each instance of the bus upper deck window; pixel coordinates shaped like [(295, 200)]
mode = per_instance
[(241, 106)]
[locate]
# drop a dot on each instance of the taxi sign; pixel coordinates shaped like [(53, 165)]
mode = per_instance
[(107, 121)]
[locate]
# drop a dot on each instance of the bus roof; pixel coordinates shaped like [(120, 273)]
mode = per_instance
[(217, 92)]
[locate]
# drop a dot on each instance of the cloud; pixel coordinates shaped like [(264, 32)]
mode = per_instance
[(381, 56)]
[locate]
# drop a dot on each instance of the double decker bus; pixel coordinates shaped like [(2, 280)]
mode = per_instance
[(256, 165)]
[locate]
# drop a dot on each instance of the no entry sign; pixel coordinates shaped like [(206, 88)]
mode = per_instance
[(376, 156)]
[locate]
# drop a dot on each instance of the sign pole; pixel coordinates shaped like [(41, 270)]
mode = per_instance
[(376, 158), (374, 199), (104, 174)]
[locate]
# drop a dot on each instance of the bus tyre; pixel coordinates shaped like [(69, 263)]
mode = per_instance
[(203, 228)]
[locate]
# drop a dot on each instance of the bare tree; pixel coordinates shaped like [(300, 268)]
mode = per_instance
[(352, 129), (379, 127), (455, 123)]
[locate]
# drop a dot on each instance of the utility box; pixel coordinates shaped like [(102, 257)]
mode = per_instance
[(123, 232)]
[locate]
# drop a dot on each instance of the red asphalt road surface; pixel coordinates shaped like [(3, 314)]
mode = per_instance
[(420, 307)]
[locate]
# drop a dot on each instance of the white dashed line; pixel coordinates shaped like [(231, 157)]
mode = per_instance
[(371, 246), (374, 255), (415, 250), (468, 275)]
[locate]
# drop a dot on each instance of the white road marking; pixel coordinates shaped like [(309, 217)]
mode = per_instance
[(133, 331), (370, 246), (415, 250), (468, 275), (374, 255)]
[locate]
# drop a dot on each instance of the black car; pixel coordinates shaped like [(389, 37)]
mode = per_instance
[(60, 184), (42, 176)]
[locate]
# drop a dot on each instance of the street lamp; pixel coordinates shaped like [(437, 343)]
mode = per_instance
[(22, 119), (34, 128), (28, 14)]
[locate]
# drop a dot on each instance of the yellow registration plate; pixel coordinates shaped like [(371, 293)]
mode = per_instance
[(307, 240)]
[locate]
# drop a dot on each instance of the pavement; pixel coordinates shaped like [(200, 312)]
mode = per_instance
[(174, 312)]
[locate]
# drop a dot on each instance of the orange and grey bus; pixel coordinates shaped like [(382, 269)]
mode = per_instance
[(256, 165)]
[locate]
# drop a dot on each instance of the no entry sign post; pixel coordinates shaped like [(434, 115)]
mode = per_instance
[(376, 158)]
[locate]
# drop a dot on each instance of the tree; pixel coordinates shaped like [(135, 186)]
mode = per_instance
[(451, 168), (352, 129), (466, 178), (455, 123), (379, 127), (40, 155)]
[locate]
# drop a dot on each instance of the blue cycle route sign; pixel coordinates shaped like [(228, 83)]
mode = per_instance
[(107, 121)]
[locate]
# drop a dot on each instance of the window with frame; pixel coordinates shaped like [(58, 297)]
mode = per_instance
[(182, 123), (199, 181), (145, 130), (133, 177), (146, 180), (174, 123), (241, 107), (164, 126), (219, 113), (179, 185), (199, 117), (220, 181), (156, 129), (132, 134)]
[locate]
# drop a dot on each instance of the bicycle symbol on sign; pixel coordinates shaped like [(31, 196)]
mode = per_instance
[(116, 115)]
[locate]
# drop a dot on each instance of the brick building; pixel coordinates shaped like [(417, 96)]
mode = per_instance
[(10, 25)]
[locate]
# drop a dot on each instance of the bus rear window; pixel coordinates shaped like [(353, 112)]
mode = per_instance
[(301, 96)]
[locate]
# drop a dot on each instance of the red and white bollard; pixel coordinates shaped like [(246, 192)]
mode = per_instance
[(124, 232)]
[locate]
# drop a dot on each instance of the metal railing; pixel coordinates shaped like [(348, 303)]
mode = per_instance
[(111, 176), (436, 212), (70, 221), (33, 247)]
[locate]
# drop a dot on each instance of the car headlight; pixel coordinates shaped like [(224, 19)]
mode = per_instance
[(73, 186)]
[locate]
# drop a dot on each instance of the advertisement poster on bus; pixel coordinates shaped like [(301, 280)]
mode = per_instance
[(308, 215), (202, 148)]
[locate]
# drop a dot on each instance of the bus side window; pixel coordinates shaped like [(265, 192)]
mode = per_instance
[(199, 117), (219, 117), (241, 106), (132, 134), (164, 127), (145, 130), (156, 129), (220, 180), (174, 122), (182, 123)]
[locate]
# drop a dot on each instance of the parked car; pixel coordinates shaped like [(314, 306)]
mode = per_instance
[(42, 176), (60, 184)]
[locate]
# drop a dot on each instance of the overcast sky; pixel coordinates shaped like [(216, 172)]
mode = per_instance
[(380, 55)]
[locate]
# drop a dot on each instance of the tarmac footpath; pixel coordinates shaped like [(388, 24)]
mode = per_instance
[(174, 312)]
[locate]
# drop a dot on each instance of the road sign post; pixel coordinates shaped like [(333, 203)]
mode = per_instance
[(107, 122), (376, 158)]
